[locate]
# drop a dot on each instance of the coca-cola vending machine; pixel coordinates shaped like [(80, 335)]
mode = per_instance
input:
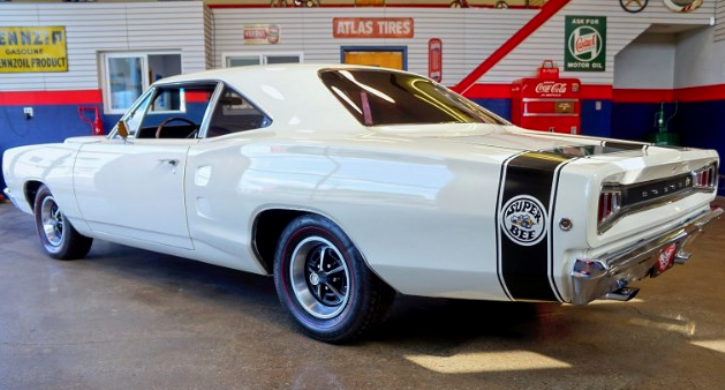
[(546, 102)]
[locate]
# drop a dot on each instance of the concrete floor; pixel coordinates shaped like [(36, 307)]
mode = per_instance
[(129, 319)]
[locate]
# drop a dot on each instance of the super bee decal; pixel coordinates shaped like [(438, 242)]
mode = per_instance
[(525, 209), (524, 220)]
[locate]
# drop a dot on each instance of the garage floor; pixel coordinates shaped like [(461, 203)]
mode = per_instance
[(129, 319)]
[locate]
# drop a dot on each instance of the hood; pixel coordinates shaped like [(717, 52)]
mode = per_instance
[(88, 139)]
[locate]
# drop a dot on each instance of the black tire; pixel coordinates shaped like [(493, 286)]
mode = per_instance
[(325, 285), (58, 237)]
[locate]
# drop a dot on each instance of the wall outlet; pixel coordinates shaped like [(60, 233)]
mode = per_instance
[(28, 111)]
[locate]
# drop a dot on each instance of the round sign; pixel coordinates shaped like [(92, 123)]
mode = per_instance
[(683, 5), (633, 6), (585, 43), (524, 220)]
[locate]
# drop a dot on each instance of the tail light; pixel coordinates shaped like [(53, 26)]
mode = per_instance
[(610, 201), (705, 178)]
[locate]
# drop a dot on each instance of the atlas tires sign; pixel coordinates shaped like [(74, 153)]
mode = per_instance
[(586, 43)]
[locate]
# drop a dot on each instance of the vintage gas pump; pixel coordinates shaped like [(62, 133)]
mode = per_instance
[(547, 102), (662, 136)]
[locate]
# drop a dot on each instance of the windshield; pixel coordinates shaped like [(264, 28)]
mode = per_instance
[(379, 97)]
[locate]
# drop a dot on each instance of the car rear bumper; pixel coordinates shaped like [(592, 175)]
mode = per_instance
[(594, 278)]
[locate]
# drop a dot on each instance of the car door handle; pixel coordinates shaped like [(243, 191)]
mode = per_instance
[(170, 161)]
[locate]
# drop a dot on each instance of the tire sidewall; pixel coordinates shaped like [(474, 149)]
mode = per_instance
[(347, 321), (52, 250)]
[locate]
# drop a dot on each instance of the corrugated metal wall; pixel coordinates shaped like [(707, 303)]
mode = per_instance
[(622, 28), (99, 27), (720, 21), (208, 38), (468, 36)]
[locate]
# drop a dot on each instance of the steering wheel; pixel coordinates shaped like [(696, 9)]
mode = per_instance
[(173, 118)]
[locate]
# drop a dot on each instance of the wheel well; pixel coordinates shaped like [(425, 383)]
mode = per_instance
[(267, 228), (31, 189)]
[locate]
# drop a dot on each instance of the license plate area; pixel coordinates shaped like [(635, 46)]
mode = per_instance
[(665, 260)]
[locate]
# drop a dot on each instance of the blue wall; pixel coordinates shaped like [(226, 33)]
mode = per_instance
[(702, 125), (698, 124), (596, 123), (50, 123), (500, 107)]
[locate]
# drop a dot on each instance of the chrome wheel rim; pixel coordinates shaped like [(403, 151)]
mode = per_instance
[(52, 221), (319, 277)]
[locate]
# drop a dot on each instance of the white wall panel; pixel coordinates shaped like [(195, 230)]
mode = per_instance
[(699, 60), (720, 21), (468, 36), (647, 63), (208, 38), (622, 28), (107, 27)]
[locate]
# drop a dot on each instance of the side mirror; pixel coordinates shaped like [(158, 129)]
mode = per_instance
[(122, 130)]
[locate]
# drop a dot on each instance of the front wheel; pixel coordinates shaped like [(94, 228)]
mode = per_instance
[(60, 240), (324, 284)]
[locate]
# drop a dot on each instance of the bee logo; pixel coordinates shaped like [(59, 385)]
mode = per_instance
[(523, 220)]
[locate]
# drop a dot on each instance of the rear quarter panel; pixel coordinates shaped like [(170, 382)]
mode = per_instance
[(423, 223)]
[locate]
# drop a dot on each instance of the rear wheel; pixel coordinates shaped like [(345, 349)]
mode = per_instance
[(60, 240), (324, 284)]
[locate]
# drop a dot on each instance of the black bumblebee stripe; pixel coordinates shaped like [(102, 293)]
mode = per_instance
[(553, 224), (501, 179), (524, 255)]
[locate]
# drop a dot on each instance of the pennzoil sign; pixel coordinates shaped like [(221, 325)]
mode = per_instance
[(585, 48), (33, 49)]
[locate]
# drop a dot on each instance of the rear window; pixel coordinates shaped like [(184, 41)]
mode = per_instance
[(379, 97)]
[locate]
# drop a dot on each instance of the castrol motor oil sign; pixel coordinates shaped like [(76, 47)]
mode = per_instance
[(585, 49)]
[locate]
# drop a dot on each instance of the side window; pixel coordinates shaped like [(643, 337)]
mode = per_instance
[(233, 114), (174, 111)]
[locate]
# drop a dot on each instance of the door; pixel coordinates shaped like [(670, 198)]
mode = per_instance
[(134, 188), (384, 56)]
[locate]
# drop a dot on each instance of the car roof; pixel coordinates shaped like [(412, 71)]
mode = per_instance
[(292, 95), (289, 71)]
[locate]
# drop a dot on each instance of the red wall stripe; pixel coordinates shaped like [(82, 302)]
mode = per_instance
[(596, 92), (628, 95), (341, 5), (19, 98), (547, 11), (489, 91), (478, 91), (503, 91), (699, 94)]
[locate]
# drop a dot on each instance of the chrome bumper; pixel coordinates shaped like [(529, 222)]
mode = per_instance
[(594, 278), (9, 195)]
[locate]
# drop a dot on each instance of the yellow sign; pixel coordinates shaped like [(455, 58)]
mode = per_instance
[(33, 49)]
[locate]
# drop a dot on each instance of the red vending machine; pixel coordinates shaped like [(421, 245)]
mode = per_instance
[(546, 102)]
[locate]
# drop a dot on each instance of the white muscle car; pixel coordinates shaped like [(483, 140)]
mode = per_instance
[(349, 184)]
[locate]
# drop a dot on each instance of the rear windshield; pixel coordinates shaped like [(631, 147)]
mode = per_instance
[(379, 97)]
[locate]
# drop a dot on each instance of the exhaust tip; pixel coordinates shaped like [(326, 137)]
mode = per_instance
[(624, 294)]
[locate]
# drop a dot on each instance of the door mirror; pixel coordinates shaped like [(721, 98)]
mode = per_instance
[(122, 129)]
